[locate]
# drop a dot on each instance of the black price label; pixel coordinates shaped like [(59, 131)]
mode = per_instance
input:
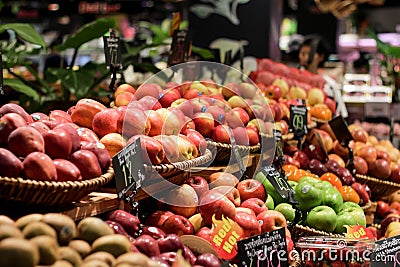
[(129, 168), (278, 181), (386, 252), (112, 50), (180, 47), (298, 120), (267, 249), (391, 133), (278, 146), (340, 129)]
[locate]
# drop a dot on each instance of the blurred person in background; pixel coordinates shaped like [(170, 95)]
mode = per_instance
[(313, 53)]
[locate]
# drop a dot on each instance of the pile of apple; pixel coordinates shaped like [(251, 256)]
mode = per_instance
[(388, 212), (188, 209), (48, 147), (372, 157), (293, 84), (313, 158), (156, 241), (217, 112)]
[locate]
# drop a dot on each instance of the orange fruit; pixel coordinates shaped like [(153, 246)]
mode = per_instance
[(349, 194), (333, 179), (289, 169)]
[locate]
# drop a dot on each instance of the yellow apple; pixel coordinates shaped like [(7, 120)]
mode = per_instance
[(283, 85), (296, 92), (315, 96)]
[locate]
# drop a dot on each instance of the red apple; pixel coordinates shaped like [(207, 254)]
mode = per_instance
[(183, 200), (57, 143), (218, 113), (395, 175), (360, 165), (205, 233), (240, 135), (253, 136), (199, 184), (271, 220), (302, 158), (282, 126), (249, 224), (197, 138), (251, 188), (215, 203), (276, 108), (151, 103), (179, 225), (184, 105), (66, 170), (289, 244), (152, 149), (147, 245), (148, 89), (158, 218), (360, 135), (204, 123), (237, 117), (154, 232), (380, 168), (170, 243), (221, 134), (273, 91), (291, 161), (168, 97), (255, 204), (230, 192), (221, 179), (156, 122)]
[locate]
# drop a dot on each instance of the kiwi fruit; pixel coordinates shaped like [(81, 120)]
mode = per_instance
[(91, 228), (48, 249), (17, 252)]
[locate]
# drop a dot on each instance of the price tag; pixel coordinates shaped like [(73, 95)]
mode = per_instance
[(278, 181), (280, 158), (180, 47), (129, 169), (358, 232), (340, 129), (267, 249), (298, 120), (112, 50), (386, 252)]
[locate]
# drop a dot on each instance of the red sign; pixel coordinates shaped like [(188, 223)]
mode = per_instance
[(225, 235), (359, 232)]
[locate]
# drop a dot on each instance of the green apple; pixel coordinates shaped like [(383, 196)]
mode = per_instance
[(332, 198), (292, 183), (287, 210), (322, 218), (323, 185), (309, 179), (350, 204), (308, 195), (269, 188), (357, 214), (270, 202), (343, 219)]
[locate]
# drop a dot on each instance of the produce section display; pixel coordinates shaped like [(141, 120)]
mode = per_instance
[(332, 187)]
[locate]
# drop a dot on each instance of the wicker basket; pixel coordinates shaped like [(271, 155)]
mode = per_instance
[(301, 231), (318, 121), (367, 206), (223, 151), (168, 170), (378, 187), (45, 193)]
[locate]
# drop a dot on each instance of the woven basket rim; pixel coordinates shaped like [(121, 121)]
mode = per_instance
[(240, 147), (376, 180), (314, 119), (104, 178), (367, 206), (183, 165), (309, 230)]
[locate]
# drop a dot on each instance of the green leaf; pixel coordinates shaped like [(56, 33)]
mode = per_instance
[(204, 53), (26, 32), (20, 87), (88, 32), (385, 48)]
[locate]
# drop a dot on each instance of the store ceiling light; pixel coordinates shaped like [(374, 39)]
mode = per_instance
[(53, 7)]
